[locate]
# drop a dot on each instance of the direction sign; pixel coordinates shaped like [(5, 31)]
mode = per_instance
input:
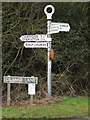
[(36, 44), (57, 27), (19, 79), (37, 37)]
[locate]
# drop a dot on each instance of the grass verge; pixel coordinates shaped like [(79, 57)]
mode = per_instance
[(68, 108)]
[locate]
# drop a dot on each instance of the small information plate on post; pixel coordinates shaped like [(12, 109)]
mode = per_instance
[(31, 89)]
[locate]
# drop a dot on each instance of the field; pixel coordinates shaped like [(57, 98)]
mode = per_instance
[(68, 107)]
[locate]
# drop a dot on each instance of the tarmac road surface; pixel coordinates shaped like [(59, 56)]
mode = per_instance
[(87, 118)]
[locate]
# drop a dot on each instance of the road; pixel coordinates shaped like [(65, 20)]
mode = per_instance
[(87, 118)]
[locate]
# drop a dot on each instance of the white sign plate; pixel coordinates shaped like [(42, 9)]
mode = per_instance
[(37, 37), (19, 79), (54, 28), (31, 89), (49, 63), (57, 27), (36, 44)]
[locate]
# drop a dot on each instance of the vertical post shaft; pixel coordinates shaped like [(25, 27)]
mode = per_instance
[(8, 93), (31, 99), (49, 18), (49, 61)]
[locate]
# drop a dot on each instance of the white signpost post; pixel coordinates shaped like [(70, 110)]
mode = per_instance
[(52, 28), (44, 40)]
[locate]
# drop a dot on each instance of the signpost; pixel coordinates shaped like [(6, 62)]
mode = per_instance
[(31, 81), (44, 40), (38, 41)]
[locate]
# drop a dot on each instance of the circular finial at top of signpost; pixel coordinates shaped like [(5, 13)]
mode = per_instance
[(49, 10)]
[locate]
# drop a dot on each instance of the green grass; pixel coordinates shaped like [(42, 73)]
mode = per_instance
[(69, 107)]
